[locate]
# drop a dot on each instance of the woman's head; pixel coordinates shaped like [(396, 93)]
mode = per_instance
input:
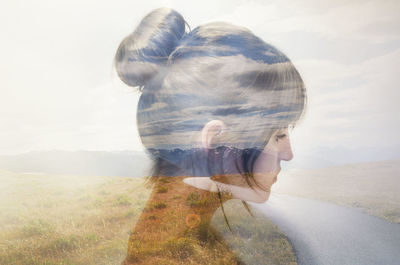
[(217, 73)]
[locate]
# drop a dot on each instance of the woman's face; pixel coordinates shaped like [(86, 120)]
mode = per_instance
[(267, 166), (265, 171)]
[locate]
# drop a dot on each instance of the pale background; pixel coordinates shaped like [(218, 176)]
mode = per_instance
[(59, 90)]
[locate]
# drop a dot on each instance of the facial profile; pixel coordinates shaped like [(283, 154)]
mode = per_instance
[(265, 172), (267, 166)]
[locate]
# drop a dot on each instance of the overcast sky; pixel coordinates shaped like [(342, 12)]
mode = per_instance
[(59, 91)]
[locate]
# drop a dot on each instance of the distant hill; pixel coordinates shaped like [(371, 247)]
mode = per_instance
[(322, 157), (98, 163)]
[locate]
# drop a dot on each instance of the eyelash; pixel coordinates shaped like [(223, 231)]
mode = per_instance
[(280, 136)]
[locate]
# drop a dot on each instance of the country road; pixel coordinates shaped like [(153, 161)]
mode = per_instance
[(324, 233)]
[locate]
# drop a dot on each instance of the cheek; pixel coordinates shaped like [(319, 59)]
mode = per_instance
[(267, 162)]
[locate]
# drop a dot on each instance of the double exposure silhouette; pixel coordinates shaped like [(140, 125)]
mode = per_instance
[(216, 107)]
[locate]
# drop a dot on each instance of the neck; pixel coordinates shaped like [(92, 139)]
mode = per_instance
[(175, 210)]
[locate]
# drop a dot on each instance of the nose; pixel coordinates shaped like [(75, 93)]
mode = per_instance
[(287, 155), (285, 148)]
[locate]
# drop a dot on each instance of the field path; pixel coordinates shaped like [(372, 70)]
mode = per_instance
[(324, 233)]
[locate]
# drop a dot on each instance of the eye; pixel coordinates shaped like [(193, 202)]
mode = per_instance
[(280, 136)]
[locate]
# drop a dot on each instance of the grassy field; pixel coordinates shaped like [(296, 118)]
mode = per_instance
[(258, 243), (372, 187), (62, 219), (66, 219)]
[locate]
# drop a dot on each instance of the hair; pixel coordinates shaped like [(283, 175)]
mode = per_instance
[(217, 71)]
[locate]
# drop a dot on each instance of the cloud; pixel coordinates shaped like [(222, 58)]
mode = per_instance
[(351, 105), (57, 90), (233, 111)]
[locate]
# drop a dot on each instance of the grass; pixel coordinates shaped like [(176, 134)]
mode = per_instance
[(192, 199), (123, 200), (195, 200), (254, 240), (160, 205), (79, 220), (182, 248), (164, 235), (164, 180), (162, 190), (36, 227), (71, 220)]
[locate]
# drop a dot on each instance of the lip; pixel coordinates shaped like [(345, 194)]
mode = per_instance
[(277, 173), (275, 179)]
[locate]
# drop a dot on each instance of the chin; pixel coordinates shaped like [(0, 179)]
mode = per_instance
[(261, 197)]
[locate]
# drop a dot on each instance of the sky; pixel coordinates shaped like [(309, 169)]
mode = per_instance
[(58, 88)]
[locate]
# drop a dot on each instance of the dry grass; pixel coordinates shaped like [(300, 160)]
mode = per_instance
[(59, 219), (65, 220), (163, 234)]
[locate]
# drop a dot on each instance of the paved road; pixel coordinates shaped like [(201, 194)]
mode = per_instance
[(323, 233)]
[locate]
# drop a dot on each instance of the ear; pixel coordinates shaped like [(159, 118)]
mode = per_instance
[(210, 130)]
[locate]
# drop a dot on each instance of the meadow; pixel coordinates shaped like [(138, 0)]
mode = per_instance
[(372, 187), (67, 219)]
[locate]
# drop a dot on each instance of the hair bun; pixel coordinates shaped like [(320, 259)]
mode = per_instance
[(141, 54)]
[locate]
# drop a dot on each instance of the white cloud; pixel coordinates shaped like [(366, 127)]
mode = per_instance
[(57, 90)]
